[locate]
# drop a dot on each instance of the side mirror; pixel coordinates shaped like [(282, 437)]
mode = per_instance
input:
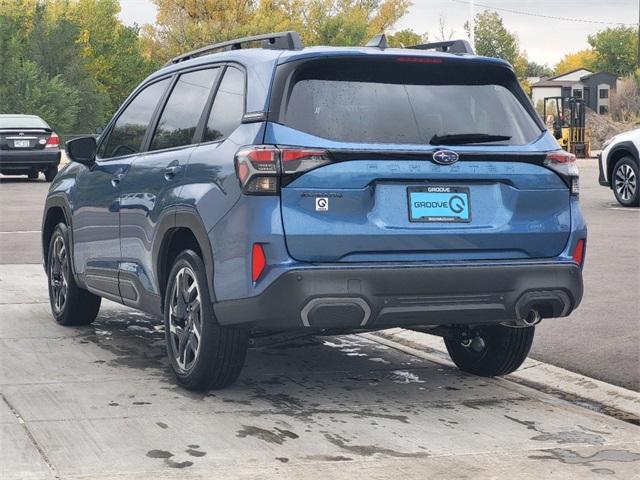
[(99, 130), (81, 150)]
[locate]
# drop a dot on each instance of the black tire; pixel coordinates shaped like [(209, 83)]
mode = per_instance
[(505, 348), (625, 182), (50, 173), (79, 307), (33, 175), (219, 356)]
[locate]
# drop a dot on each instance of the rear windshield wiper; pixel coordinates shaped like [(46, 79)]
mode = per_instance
[(462, 138)]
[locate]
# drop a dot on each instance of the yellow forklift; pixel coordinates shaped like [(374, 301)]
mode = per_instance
[(565, 116)]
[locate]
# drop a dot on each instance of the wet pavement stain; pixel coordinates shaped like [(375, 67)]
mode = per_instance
[(574, 458), (562, 437), (603, 471), (131, 338), (328, 458), (370, 450), (571, 436), (277, 436), (159, 454), (195, 453), (172, 464)]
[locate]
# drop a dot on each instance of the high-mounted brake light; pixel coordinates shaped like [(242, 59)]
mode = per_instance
[(419, 60), (261, 168), (564, 163), (258, 261), (578, 252), (53, 141)]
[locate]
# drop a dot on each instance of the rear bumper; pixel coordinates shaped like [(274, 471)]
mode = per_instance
[(381, 297), (29, 159)]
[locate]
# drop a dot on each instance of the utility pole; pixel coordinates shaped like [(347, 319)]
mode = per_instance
[(638, 61), (472, 32)]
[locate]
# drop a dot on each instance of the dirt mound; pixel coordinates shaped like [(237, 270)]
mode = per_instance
[(601, 128)]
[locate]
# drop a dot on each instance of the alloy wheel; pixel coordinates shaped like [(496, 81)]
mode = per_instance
[(626, 182), (185, 319), (59, 274)]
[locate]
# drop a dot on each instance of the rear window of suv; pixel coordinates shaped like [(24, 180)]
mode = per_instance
[(405, 102)]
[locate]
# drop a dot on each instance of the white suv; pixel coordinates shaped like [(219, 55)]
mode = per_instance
[(619, 167)]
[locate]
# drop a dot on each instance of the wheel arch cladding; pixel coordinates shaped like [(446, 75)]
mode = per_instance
[(623, 149), (55, 213), (181, 232)]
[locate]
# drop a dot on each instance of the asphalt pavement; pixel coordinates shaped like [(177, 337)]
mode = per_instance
[(601, 339)]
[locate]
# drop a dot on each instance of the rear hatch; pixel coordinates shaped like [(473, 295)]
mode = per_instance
[(426, 158), (18, 133)]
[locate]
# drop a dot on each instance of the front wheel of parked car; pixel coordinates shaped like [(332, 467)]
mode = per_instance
[(492, 351), (625, 182), (203, 354), (70, 304), (50, 173)]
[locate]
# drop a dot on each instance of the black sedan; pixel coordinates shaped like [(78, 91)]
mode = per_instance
[(28, 146)]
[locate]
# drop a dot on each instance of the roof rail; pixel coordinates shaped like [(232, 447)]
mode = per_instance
[(274, 41), (450, 46)]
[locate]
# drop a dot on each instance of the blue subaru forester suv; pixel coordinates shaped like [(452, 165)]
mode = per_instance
[(250, 195)]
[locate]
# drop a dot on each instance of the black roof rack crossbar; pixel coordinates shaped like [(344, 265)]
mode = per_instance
[(275, 41), (451, 46)]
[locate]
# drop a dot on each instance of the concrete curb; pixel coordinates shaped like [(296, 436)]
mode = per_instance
[(593, 394)]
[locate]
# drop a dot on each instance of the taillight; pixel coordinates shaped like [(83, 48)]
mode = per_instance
[(258, 261), (261, 168), (53, 141), (578, 252), (564, 163)]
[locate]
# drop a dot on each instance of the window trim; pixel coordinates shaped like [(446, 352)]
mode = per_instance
[(107, 131), (156, 118), (205, 116)]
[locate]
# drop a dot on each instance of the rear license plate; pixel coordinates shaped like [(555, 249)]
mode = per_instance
[(21, 143), (439, 204)]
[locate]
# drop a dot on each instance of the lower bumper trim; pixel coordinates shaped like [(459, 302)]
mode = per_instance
[(382, 297)]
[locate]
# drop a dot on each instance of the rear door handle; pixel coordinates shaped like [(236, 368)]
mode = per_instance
[(171, 171)]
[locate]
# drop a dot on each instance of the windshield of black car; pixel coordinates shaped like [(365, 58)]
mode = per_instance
[(404, 103), (19, 121)]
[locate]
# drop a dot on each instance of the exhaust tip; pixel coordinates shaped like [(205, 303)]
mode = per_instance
[(532, 318)]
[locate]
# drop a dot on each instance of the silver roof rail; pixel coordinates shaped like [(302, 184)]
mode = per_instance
[(274, 41), (451, 46)]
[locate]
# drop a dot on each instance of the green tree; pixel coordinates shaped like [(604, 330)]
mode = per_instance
[(492, 39), (406, 38), (70, 61), (182, 25), (537, 70), (31, 92), (616, 50)]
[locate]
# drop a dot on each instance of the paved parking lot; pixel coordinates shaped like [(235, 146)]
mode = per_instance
[(601, 339), (100, 402)]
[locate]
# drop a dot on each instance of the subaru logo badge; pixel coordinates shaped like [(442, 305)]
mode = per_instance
[(445, 157)]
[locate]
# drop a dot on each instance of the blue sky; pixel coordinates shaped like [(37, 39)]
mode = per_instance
[(546, 40)]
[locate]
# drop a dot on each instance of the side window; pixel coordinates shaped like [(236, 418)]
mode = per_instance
[(182, 112), (127, 134), (228, 107)]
